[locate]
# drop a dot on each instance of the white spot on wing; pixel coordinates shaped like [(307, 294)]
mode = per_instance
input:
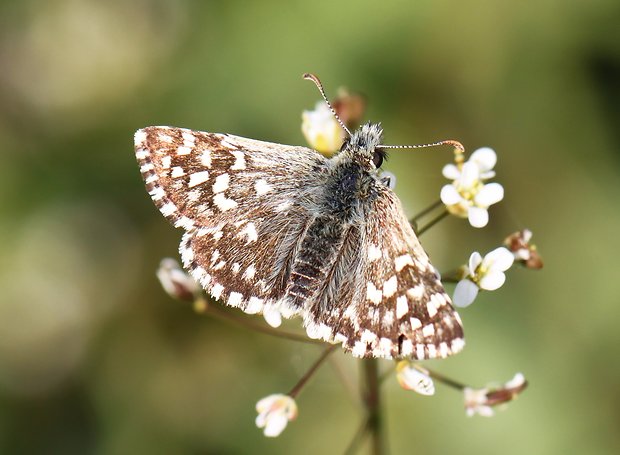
[(184, 150), (428, 330), (374, 252), (166, 162), (390, 286), (205, 158), (235, 299), (402, 261), (250, 231), (168, 209), (416, 293), (157, 193), (239, 160), (223, 203), (373, 294), (198, 178), (401, 306), (139, 137), (177, 171), (221, 183), (261, 186), (249, 272), (254, 305), (415, 323), (457, 345), (359, 349), (406, 348)]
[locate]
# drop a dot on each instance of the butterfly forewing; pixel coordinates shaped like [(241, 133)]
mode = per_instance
[(242, 203)]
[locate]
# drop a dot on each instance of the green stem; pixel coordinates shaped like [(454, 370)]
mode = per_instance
[(447, 381), (373, 405), (432, 222), (428, 209), (315, 366)]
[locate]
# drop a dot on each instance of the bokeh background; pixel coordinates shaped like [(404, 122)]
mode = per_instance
[(96, 358)]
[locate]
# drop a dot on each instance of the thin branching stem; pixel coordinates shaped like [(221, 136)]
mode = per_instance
[(428, 209), (432, 222), (346, 381), (213, 310), (358, 438), (445, 380), (315, 366)]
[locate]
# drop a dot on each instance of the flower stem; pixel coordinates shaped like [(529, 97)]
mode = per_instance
[(432, 222), (373, 405), (447, 381), (213, 310), (315, 366), (428, 209)]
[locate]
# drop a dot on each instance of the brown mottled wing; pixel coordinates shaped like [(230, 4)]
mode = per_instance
[(384, 298), (242, 203)]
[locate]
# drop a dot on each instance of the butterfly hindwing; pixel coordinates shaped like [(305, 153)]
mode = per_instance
[(386, 298)]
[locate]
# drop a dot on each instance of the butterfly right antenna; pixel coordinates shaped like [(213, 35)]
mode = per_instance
[(317, 82)]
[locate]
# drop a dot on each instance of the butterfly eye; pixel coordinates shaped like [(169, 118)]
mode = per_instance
[(377, 158)]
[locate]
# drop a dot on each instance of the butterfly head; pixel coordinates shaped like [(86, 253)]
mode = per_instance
[(364, 146)]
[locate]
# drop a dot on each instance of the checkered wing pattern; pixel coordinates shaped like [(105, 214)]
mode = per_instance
[(242, 204), (385, 298)]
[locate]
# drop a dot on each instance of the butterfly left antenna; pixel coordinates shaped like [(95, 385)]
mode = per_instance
[(317, 82)]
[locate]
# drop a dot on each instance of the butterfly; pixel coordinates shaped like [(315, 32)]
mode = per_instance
[(284, 231)]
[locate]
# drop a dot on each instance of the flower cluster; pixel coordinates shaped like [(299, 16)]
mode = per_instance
[(482, 273), (468, 196)]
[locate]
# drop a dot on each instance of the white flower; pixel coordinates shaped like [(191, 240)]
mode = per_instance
[(411, 377), (274, 412), (175, 281), (322, 130), (482, 273), (481, 401), (468, 196)]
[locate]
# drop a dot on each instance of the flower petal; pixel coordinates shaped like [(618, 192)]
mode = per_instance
[(474, 261), (489, 194), (500, 259), (478, 217), (410, 378), (449, 195), (492, 280), (450, 171), (276, 423), (470, 175), (485, 158), (465, 293)]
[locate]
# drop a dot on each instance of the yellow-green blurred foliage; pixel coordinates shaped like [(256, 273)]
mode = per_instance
[(96, 358)]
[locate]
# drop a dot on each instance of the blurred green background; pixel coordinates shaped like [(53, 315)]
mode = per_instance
[(96, 358)]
